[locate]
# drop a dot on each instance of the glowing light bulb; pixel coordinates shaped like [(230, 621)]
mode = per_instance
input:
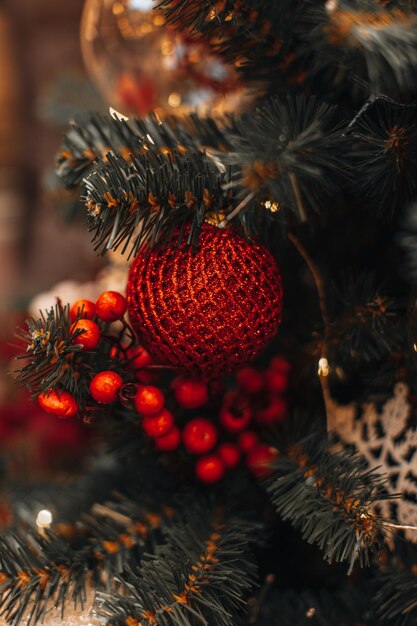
[(44, 519), (330, 6), (174, 99), (324, 367)]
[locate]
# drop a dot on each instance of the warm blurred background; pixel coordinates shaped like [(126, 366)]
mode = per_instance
[(58, 62), (41, 74)]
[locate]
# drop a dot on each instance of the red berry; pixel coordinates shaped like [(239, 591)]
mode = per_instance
[(90, 337), (105, 386), (235, 419), (279, 364), (209, 469), (247, 440), (169, 442), (250, 380), (274, 413), (149, 400), (190, 393), (139, 357), (229, 454), (260, 460), (199, 436), (110, 306), (114, 352), (276, 381), (147, 376), (82, 309), (158, 425), (60, 403)]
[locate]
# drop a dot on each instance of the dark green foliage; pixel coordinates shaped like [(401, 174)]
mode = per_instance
[(51, 569), (367, 324), (201, 574), (148, 200), (396, 599), (384, 149), (290, 152), (94, 137), (50, 351), (329, 497)]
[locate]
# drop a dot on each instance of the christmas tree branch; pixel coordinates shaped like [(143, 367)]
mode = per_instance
[(202, 573), (329, 497), (291, 153), (151, 199), (396, 597), (384, 145), (56, 566), (50, 350)]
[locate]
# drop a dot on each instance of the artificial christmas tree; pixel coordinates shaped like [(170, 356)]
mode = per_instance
[(236, 492)]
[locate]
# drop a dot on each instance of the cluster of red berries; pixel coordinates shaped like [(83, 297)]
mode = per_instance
[(258, 398), (109, 307), (221, 439)]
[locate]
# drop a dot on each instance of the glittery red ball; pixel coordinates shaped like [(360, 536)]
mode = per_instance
[(206, 310)]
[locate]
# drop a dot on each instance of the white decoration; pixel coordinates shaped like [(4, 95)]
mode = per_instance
[(386, 441)]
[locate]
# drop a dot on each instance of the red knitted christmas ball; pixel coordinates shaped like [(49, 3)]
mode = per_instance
[(206, 310)]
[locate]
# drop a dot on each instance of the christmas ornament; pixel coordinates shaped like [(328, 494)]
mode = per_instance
[(190, 393), (110, 306), (206, 310), (90, 336), (169, 442), (139, 63), (199, 436), (158, 425), (229, 454), (83, 309), (260, 460), (149, 400), (105, 387), (209, 469), (385, 438), (60, 403)]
